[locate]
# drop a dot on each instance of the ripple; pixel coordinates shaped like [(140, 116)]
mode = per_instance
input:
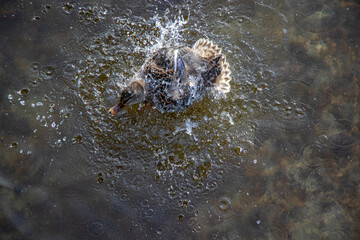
[(194, 224), (311, 155), (76, 231), (341, 142), (18, 218), (47, 72), (293, 116), (67, 8), (135, 214), (242, 203), (336, 234), (319, 180), (35, 82), (35, 67), (69, 71), (316, 17), (235, 155), (77, 139), (212, 185), (223, 204), (279, 232), (96, 228), (339, 135), (91, 14)]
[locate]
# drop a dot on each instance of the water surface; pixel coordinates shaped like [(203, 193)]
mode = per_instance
[(275, 159)]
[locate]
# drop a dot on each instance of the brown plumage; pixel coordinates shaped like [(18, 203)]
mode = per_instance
[(173, 78)]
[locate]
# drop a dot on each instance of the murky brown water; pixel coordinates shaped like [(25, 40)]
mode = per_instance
[(276, 159)]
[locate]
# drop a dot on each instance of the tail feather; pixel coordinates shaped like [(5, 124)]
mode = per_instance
[(207, 49)]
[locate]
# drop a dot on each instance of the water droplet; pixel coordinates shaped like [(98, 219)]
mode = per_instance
[(24, 92), (58, 142), (76, 139), (47, 72), (258, 222), (100, 178), (35, 18), (34, 83), (35, 67), (51, 98), (67, 8)]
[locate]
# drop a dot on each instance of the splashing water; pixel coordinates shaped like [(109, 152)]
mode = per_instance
[(170, 31)]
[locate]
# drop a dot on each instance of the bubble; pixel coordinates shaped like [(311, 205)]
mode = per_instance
[(223, 204)]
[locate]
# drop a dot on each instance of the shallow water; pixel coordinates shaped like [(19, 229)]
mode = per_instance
[(276, 159)]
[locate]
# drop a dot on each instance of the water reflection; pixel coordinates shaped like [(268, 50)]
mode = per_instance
[(275, 159)]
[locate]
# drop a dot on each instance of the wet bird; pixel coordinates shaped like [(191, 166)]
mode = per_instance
[(174, 77)]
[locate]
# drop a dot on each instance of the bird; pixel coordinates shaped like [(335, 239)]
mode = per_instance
[(173, 78)]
